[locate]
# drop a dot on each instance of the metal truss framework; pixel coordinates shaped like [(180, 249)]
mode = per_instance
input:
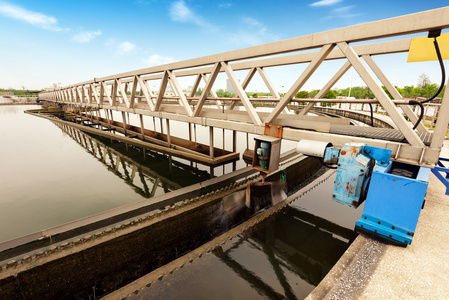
[(119, 92)]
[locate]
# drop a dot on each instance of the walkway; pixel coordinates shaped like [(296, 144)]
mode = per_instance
[(373, 270)]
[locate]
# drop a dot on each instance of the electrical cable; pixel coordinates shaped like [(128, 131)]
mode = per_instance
[(443, 73), (443, 79), (371, 109), (421, 114)]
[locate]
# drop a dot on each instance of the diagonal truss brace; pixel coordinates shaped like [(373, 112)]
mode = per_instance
[(381, 96), (119, 88), (394, 92), (327, 87), (314, 64), (214, 95), (162, 88), (177, 88), (209, 83), (94, 92), (245, 83), (241, 93), (145, 88), (268, 83), (105, 92)]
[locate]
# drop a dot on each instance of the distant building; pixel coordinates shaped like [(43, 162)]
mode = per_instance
[(229, 87)]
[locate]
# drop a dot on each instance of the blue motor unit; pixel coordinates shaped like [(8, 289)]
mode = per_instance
[(353, 175), (394, 201), (394, 191)]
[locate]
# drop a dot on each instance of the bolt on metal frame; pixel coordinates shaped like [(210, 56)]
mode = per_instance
[(111, 92)]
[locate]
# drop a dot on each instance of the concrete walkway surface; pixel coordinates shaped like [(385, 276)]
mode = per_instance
[(373, 270)]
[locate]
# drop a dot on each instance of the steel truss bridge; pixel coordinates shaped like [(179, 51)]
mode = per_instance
[(131, 91)]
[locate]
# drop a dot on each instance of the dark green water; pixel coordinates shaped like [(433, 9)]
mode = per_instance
[(49, 178), (51, 175)]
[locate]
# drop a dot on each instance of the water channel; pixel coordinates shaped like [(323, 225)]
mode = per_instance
[(50, 176)]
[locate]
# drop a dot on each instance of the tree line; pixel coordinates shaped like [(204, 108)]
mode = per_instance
[(424, 89)]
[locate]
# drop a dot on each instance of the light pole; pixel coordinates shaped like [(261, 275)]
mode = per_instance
[(350, 84)]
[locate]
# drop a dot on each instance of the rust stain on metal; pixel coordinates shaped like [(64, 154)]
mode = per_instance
[(350, 188), (353, 151), (273, 130)]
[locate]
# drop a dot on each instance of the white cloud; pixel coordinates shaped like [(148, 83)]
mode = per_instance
[(120, 48), (325, 3), (156, 60), (86, 36), (344, 9), (125, 47), (225, 5), (252, 22), (179, 12), (34, 18), (254, 33)]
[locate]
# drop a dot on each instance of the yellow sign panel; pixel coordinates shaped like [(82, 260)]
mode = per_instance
[(423, 49)]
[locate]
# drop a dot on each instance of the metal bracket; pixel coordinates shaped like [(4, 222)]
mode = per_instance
[(442, 168)]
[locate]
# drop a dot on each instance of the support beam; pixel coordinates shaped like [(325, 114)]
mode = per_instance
[(133, 92), (167, 123), (162, 88), (124, 121), (380, 94), (314, 64), (268, 83), (94, 92), (442, 122), (177, 88), (242, 95), (88, 92), (207, 89), (195, 85), (119, 85), (245, 83), (146, 91), (212, 92), (394, 92), (141, 126), (106, 92), (79, 94), (327, 87), (211, 142), (270, 86), (114, 93)]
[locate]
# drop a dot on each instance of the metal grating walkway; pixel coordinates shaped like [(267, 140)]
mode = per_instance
[(388, 134)]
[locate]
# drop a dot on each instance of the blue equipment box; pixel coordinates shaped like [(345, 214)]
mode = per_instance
[(394, 202), (353, 173)]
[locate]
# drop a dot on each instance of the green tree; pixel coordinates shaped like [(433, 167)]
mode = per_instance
[(330, 95), (430, 90), (407, 91), (302, 94), (199, 92), (313, 93)]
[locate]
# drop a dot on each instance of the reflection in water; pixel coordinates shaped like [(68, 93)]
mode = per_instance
[(284, 257), (147, 172)]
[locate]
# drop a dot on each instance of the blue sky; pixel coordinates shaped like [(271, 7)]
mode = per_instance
[(45, 42)]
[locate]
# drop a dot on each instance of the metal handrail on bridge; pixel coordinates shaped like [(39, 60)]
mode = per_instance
[(120, 91)]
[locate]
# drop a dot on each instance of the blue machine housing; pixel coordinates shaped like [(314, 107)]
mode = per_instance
[(353, 173), (393, 203)]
